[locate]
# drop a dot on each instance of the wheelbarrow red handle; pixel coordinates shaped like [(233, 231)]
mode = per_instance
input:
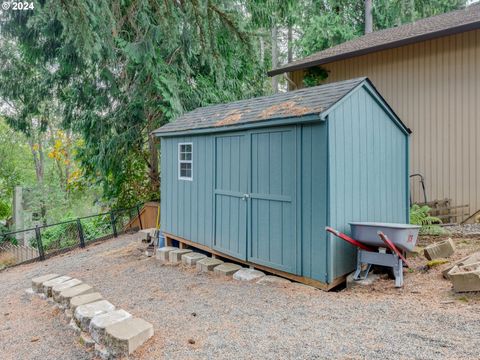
[(392, 246), (349, 239)]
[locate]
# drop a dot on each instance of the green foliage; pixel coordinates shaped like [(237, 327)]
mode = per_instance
[(15, 166), (420, 215), (314, 76), (121, 69), (390, 13), (333, 23), (59, 236), (65, 235)]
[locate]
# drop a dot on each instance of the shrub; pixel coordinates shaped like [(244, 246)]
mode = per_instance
[(420, 215)]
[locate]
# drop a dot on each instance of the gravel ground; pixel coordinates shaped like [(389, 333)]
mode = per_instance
[(199, 316), (464, 230)]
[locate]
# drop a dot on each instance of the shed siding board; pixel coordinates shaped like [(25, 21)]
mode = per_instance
[(367, 171), (434, 87), (314, 201), (187, 206)]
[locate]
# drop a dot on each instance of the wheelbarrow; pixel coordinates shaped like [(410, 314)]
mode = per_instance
[(373, 240)]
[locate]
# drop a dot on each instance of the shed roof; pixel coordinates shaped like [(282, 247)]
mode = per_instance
[(309, 103), (293, 104), (436, 26)]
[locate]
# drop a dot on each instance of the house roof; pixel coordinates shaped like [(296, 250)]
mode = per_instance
[(429, 28), (312, 101)]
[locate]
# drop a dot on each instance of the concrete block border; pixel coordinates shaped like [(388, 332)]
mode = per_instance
[(111, 332)]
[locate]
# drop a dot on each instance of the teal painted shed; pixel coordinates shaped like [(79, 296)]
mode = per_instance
[(258, 180)]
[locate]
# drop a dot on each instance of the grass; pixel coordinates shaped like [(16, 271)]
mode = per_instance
[(6, 260)]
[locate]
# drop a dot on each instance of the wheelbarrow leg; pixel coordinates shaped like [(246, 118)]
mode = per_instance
[(358, 272), (398, 272)]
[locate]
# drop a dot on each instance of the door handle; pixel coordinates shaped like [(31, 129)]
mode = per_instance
[(245, 197)]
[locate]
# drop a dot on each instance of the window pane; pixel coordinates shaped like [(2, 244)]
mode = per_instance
[(187, 156), (185, 170)]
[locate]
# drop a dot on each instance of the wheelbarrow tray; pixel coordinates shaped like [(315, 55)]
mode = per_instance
[(404, 236)]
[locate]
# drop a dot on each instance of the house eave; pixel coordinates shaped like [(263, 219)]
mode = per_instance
[(386, 46)]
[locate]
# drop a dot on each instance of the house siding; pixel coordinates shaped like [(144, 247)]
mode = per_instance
[(434, 87)]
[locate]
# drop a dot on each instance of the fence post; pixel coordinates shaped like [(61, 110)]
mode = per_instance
[(80, 233), (139, 217), (112, 220), (38, 236)]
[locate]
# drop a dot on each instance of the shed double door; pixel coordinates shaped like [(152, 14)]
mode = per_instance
[(255, 197)]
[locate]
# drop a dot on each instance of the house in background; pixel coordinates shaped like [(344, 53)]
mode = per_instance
[(429, 72)]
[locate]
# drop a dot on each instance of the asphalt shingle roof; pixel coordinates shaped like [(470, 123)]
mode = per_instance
[(313, 100), (436, 26)]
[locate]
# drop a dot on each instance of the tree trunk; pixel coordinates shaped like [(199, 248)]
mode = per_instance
[(368, 17), (290, 44), (274, 57), (262, 50), (39, 161), (153, 171)]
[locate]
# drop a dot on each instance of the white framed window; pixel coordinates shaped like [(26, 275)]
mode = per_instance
[(185, 161)]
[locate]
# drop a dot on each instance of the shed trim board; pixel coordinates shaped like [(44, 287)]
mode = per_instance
[(273, 188)]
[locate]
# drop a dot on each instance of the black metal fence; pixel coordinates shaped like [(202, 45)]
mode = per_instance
[(57, 238)]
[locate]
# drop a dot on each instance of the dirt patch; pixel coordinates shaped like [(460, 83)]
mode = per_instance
[(424, 280)]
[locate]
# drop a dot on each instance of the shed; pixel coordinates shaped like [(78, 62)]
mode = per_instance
[(258, 180)]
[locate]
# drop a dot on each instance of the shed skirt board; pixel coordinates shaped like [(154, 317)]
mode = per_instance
[(255, 197)]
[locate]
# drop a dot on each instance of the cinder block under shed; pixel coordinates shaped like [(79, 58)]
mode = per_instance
[(175, 256), (226, 269), (208, 264), (163, 253), (191, 259), (442, 249), (248, 274)]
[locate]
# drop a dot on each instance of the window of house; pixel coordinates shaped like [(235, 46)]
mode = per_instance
[(185, 161)]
